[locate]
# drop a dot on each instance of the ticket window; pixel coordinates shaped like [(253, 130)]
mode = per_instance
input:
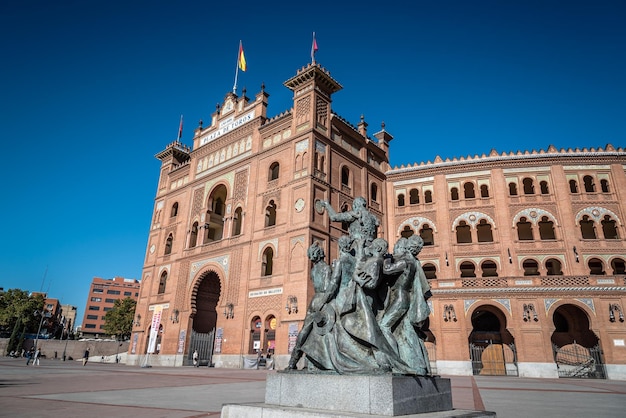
[(255, 336), (270, 334)]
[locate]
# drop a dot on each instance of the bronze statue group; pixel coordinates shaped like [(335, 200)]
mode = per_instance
[(368, 310)]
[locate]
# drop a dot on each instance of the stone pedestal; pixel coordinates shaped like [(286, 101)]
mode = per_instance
[(385, 394), (289, 394)]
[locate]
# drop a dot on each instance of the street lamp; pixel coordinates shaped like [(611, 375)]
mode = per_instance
[(44, 314)]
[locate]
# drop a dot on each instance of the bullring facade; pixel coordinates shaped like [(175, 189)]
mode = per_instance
[(525, 252)]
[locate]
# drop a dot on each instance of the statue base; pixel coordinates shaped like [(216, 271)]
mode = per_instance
[(303, 394)]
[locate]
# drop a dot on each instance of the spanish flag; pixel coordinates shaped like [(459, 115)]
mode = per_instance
[(241, 61)]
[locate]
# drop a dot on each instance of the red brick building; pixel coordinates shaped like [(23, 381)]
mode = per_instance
[(102, 295), (525, 252)]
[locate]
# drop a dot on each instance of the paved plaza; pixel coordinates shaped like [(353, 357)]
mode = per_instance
[(69, 390)]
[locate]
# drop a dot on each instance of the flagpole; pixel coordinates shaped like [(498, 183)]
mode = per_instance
[(237, 69), (313, 50)]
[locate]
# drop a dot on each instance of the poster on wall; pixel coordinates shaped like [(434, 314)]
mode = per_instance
[(154, 329), (218, 340), (133, 348), (293, 336), (181, 342)]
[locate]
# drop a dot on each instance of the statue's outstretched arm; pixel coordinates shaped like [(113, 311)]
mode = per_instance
[(338, 216)]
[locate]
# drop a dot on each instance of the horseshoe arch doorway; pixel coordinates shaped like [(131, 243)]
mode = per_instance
[(204, 298)]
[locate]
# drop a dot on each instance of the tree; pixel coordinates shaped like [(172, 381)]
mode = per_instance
[(17, 309), (119, 320), (17, 303)]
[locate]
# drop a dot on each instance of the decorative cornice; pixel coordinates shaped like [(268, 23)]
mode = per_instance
[(313, 72), (494, 158)]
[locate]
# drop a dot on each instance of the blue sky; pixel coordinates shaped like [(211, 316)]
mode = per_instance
[(91, 90)]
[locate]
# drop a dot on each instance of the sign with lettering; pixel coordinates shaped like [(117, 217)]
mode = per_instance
[(226, 126), (265, 292)]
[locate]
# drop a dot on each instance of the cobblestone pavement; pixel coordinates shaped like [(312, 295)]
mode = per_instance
[(69, 390)]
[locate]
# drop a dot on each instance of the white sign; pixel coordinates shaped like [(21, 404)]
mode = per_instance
[(265, 292), (226, 126), (618, 343)]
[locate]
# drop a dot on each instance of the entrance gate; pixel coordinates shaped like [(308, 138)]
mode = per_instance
[(203, 342), (494, 359), (574, 360)]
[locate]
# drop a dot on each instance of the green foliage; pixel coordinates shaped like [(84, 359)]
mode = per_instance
[(18, 304), (119, 320)]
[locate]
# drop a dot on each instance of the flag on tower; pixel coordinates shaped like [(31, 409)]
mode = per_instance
[(180, 128), (242, 59), (313, 49)]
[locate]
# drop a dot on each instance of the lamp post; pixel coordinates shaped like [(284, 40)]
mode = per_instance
[(44, 314)]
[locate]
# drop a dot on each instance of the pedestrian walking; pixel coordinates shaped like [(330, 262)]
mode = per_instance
[(196, 363), (36, 358), (86, 357), (29, 356)]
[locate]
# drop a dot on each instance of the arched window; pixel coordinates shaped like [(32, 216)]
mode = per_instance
[(218, 206), (604, 185), (483, 230), (524, 230), (345, 176), (428, 196), (267, 262), (237, 222), (427, 235), (168, 244), (543, 185), (193, 238), (270, 214), (407, 231), (400, 200), (414, 197), (174, 211), (484, 190), (468, 269), (214, 221), (468, 189), (553, 267), (512, 189), (618, 265), (529, 187), (430, 271), (573, 186), (374, 192), (489, 268), (274, 171), (588, 228), (454, 193), (590, 186), (596, 267), (463, 233), (608, 228), (320, 162), (531, 268), (546, 228), (162, 282)]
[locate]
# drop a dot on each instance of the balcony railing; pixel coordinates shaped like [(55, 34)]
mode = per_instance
[(590, 281)]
